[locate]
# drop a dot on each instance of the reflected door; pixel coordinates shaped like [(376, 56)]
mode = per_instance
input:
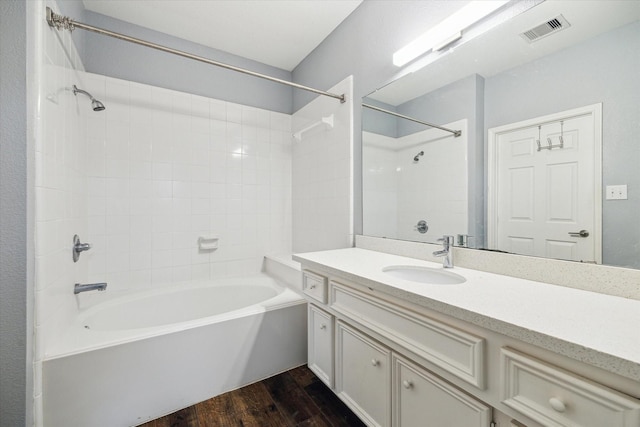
[(546, 198)]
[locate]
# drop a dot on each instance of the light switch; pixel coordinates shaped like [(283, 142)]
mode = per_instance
[(616, 192)]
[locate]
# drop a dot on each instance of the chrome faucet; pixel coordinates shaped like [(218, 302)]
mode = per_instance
[(89, 287), (446, 252)]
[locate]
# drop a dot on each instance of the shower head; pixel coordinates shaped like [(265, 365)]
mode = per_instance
[(416, 158), (95, 104)]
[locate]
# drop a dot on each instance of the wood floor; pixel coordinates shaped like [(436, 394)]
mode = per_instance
[(295, 398)]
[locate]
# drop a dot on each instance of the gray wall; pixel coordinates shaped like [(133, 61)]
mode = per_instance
[(363, 46), (115, 58), (378, 122), (604, 69), (13, 213)]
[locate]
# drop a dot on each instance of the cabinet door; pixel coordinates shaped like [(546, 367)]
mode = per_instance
[(363, 375), (320, 344), (423, 399)]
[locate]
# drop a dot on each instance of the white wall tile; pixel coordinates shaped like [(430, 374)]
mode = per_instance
[(145, 178), (322, 160)]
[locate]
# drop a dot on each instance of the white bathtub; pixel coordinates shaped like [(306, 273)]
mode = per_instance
[(137, 357)]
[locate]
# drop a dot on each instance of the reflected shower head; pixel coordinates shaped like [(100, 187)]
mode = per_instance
[(95, 104)]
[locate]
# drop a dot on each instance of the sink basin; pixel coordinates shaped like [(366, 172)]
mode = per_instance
[(432, 276)]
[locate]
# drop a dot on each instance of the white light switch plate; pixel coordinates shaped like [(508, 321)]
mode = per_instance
[(616, 192)]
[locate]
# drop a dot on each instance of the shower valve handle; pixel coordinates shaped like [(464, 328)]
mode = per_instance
[(79, 247)]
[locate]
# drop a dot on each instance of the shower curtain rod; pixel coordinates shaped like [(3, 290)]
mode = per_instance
[(455, 133), (64, 22)]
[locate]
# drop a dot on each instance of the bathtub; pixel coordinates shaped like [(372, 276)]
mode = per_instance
[(135, 357)]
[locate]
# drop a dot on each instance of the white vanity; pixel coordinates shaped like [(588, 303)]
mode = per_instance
[(492, 349)]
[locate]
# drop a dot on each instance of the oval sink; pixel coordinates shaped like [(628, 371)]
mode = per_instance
[(433, 276)]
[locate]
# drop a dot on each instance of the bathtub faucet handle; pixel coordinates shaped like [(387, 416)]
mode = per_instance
[(79, 247)]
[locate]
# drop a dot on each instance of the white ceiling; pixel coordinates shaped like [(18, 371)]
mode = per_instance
[(280, 33)]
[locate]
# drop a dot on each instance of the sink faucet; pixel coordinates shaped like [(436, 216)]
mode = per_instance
[(89, 287), (446, 252)]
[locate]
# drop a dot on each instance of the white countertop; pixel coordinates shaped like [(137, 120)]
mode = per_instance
[(597, 329)]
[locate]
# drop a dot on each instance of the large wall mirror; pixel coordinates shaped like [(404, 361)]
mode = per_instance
[(547, 162)]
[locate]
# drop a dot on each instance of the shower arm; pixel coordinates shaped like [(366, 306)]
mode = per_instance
[(76, 90), (64, 22)]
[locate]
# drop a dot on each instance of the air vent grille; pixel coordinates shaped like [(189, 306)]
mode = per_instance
[(552, 26)]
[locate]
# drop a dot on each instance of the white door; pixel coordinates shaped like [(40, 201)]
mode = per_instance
[(546, 201)]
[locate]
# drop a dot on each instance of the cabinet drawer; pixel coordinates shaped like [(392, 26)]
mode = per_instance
[(363, 375), (320, 344), (419, 395), (456, 351), (314, 286), (555, 397)]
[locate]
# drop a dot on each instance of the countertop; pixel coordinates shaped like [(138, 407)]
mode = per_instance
[(597, 329)]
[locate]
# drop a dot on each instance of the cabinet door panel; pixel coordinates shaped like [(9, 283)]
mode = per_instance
[(320, 344), (555, 397), (363, 375), (423, 399)]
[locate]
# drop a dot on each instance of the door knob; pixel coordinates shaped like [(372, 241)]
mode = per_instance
[(581, 233)]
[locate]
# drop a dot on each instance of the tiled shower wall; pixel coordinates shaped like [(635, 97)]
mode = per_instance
[(60, 189), (323, 174), (166, 168), (142, 181), (380, 185), (398, 191)]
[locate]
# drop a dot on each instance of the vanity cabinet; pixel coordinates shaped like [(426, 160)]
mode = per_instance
[(363, 375), (383, 387), (399, 365), (419, 395), (320, 344)]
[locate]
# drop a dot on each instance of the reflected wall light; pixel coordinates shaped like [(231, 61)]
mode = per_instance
[(447, 31)]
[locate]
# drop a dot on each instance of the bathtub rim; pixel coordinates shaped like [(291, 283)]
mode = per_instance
[(76, 339)]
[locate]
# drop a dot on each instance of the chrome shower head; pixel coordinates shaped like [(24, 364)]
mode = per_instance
[(95, 104)]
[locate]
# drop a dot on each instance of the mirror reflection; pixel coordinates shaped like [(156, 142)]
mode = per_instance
[(546, 163)]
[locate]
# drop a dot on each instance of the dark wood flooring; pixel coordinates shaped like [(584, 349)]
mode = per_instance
[(295, 398)]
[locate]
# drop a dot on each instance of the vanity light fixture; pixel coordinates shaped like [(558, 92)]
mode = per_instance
[(447, 31)]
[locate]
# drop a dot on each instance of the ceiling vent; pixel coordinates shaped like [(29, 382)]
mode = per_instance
[(552, 26)]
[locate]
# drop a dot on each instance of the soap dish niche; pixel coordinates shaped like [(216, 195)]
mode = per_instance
[(208, 243)]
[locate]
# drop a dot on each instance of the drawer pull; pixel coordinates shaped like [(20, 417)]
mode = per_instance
[(323, 326), (407, 384), (557, 404), (375, 362), (312, 287)]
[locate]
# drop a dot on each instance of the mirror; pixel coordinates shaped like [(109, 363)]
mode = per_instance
[(552, 101)]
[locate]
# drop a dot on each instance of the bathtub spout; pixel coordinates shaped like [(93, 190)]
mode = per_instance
[(89, 287)]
